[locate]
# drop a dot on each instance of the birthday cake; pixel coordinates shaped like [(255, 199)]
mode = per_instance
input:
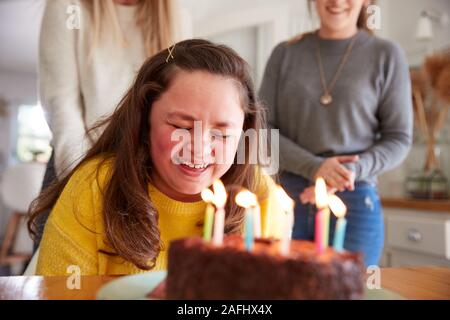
[(200, 270)]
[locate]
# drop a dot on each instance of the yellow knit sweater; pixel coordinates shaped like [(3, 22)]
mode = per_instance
[(75, 234)]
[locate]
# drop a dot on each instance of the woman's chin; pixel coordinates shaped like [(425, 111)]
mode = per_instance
[(190, 189)]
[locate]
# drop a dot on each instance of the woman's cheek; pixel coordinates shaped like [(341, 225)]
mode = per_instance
[(162, 144)]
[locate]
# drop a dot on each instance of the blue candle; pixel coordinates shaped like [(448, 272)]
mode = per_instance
[(339, 234), (248, 201), (248, 229), (339, 210)]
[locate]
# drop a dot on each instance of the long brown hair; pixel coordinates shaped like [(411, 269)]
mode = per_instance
[(130, 219), (156, 19), (363, 17)]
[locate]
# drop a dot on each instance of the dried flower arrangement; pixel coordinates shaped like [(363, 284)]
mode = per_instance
[(431, 100), (431, 97)]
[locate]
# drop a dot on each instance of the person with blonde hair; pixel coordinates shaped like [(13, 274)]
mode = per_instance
[(89, 54)]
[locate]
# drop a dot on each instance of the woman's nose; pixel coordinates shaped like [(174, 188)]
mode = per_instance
[(201, 147)]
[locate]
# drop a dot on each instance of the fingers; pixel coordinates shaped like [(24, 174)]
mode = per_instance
[(346, 159), (308, 196), (344, 172), (335, 174), (331, 190), (334, 180), (351, 183)]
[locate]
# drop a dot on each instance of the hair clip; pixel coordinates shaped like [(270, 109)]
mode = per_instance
[(170, 55)]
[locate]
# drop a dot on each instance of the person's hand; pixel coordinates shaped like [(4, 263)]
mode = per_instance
[(309, 196), (335, 174)]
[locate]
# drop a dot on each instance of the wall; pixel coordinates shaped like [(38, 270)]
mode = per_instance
[(399, 21), (16, 88)]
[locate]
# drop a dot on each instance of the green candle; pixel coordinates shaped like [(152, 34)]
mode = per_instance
[(208, 196), (207, 227)]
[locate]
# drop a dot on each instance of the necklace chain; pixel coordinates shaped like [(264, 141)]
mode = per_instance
[(326, 97)]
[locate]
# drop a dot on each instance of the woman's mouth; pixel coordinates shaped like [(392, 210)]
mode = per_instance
[(336, 10), (193, 170)]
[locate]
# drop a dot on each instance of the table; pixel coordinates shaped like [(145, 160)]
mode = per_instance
[(411, 283)]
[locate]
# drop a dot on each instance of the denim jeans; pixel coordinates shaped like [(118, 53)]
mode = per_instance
[(365, 227)]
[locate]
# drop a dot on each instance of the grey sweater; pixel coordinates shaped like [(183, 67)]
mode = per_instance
[(371, 113)]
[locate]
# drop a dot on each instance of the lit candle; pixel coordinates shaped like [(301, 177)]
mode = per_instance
[(339, 209), (287, 204), (220, 198), (257, 220), (248, 200), (208, 197), (322, 216)]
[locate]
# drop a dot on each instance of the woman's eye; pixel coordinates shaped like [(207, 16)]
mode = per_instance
[(221, 136), (180, 127)]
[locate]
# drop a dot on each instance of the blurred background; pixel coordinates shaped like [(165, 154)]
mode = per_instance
[(414, 195)]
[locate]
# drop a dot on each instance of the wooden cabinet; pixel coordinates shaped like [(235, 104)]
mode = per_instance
[(417, 233)]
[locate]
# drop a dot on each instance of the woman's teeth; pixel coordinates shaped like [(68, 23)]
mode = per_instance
[(195, 166), (335, 10)]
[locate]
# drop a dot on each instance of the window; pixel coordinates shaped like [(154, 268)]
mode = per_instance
[(33, 134)]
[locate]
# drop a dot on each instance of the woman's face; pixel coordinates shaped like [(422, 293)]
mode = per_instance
[(339, 16), (197, 121)]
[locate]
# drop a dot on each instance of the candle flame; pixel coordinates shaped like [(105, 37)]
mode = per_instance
[(246, 199), (207, 195), (337, 206), (286, 203), (220, 195), (321, 193)]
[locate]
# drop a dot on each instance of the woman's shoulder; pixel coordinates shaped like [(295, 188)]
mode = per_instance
[(78, 208), (291, 48), (92, 170), (386, 47), (300, 39)]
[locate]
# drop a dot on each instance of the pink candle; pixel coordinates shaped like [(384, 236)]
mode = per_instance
[(319, 229), (322, 216)]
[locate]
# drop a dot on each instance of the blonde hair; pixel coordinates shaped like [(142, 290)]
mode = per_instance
[(154, 17)]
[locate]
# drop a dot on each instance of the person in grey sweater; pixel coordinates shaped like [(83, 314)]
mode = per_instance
[(341, 99)]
